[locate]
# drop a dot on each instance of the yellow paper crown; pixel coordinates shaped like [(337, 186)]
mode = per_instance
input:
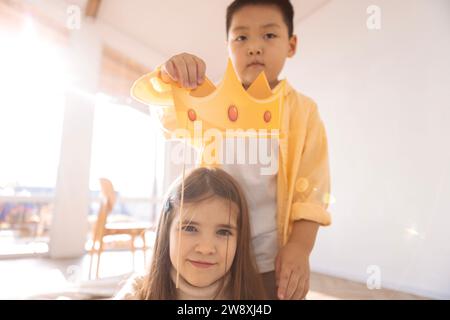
[(227, 107)]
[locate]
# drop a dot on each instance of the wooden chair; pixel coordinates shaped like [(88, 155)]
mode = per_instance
[(103, 228)]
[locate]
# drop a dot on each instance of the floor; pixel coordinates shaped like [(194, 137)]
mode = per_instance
[(43, 278), (12, 244)]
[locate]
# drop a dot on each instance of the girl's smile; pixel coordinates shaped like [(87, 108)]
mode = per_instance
[(202, 264)]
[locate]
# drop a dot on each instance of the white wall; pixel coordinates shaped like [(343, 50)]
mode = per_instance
[(384, 96)]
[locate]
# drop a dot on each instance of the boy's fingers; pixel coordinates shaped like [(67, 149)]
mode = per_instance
[(305, 291), (164, 76), (192, 70), (277, 270), (284, 280), (298, 295), (168, 72), (292, 285), (182, 72), (172, 71), (201, 70)]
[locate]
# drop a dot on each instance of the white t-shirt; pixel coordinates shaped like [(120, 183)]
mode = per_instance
[(255, 167)]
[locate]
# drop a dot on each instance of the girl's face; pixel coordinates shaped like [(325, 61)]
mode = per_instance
[(208, 240)]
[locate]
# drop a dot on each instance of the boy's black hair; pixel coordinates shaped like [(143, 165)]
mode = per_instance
[(285, 7)]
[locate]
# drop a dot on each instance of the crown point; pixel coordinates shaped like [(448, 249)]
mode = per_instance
[(260, 88), (267, 116), (232, 113)]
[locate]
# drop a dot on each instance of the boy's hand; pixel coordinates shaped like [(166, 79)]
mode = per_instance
[(292, 272), (184, 68)]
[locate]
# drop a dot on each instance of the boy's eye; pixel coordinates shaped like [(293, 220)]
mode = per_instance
[(188, 228), (224, 232), (270, 35), (241, 38)]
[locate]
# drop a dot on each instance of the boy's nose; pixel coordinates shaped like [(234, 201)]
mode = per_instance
[(254, 51)]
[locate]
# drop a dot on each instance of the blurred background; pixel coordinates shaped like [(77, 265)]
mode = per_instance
[(83, 167)]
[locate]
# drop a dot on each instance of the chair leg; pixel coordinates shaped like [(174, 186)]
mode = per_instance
[(144, 248), (100, 249), (91, 253), (133, 249)]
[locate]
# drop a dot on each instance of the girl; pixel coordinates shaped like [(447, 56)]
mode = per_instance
[(205, 253)]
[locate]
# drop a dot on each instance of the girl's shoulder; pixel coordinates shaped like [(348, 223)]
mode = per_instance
[(131, 288)]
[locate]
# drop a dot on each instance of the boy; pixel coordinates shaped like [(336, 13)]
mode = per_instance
[(260, 38)]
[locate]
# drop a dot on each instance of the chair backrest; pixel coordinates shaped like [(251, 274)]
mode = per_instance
[(108, 200), (108, 193)]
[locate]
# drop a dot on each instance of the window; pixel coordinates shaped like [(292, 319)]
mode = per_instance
[(33, 81), (125, 150)]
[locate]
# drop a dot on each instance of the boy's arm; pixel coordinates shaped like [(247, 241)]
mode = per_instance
[(304, 234), (312, 189), (312, 185), (309, 211)]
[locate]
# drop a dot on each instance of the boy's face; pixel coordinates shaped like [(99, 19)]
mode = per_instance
[(208, 241), (258, 40)]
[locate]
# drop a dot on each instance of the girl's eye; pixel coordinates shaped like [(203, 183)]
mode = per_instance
[(224, 232), (188, 228), (270, 35), (241, 38)]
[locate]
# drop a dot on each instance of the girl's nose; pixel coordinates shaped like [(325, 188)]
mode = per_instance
[(205, 247)]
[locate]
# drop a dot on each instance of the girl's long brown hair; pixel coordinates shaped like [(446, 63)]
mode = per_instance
[(201, 184)]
